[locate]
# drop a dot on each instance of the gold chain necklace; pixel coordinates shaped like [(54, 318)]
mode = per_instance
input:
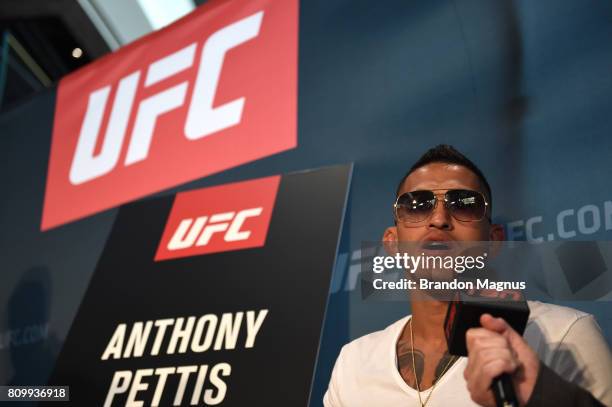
[(416, 379)]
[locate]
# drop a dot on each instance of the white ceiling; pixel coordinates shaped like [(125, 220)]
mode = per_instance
[(120, 22)]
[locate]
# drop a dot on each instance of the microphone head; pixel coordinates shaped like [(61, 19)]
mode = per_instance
[(465, 310)]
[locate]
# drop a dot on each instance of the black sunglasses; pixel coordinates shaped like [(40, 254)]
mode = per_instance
[(463, 204)]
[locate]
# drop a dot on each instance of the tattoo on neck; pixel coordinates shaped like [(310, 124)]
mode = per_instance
[(444, 361), (404, 361), (406, 369)]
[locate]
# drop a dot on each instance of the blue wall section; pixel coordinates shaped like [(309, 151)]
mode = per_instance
[(523, 88)]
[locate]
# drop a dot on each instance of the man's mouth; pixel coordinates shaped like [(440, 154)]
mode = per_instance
[(436, 245)]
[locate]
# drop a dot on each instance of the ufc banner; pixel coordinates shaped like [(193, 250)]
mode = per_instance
[(210, 92), (214, 296)]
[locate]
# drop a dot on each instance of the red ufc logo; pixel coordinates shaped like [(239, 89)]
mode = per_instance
[(197, 232), (203, 119), (215, 90), (227, 217)]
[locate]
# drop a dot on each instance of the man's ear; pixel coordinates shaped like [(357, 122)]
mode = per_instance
[(497, 233), (389, 240), (496, 237)]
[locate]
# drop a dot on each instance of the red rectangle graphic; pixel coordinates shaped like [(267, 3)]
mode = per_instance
[(215, 90), (217, 219)]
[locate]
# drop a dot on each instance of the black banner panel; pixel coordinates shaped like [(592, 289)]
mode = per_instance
[(210, 297)]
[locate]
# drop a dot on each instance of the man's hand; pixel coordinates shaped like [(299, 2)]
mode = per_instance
[(494, 349)]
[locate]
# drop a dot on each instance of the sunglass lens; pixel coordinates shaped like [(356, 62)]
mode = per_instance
[(415, 206), (466, 205)]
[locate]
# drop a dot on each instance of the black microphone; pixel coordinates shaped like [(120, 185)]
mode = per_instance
[(464, 313)]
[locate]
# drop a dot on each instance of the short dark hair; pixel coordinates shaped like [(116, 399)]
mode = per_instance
[(444, 153)]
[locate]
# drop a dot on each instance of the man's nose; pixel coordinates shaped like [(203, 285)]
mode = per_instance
[(440, 217)]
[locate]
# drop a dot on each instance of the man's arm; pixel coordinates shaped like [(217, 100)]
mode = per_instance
[(584, 358), (496, 348), (551, 390)]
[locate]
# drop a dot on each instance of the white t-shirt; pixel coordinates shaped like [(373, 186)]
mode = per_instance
[(568, 341)]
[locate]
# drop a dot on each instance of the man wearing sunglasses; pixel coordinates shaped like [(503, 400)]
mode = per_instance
[(561, 360)]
